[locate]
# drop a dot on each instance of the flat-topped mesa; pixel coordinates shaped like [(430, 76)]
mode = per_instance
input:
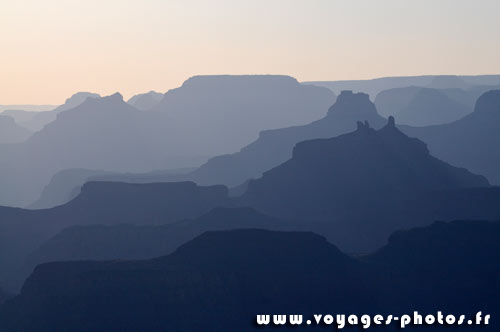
[(210, 80), (352, 103)]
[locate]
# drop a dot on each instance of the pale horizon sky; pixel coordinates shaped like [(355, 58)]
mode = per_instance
[(51, 49)]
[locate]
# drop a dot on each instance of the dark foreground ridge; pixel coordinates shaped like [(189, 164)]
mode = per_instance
[(104, 203), (221, 280)]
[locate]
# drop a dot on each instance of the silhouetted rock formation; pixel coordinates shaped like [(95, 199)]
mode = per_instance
[(339, 184), (145, 101), (471, 142), (221, 280), (327, 177), (11, 132), (272, 148), (275, 146)]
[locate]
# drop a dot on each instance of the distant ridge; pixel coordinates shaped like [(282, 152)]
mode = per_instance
[(207, 116), (376, 85), (11, 132), (218, 107), (36, 121), (145, 101), (424, 106), (471, 142), (27, 108)]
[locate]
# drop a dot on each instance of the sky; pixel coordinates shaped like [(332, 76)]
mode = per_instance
[(53, 48)]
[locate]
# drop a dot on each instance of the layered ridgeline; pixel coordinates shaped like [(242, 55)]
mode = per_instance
[(220, 114), (272, 148), (327, 177), (355, 189), (471, 142), (146, 101), (23, 231), (103, 133), (221, 277), (206, 116), (377, 85), (424, 106), (134, 241), (339, 184), (220, 281), (419, 106), (66, 185), (11, 132), (35, 121), (21, 115)]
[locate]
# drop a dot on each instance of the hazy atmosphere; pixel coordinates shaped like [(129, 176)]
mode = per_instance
[(50, 49), (221, 166)]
